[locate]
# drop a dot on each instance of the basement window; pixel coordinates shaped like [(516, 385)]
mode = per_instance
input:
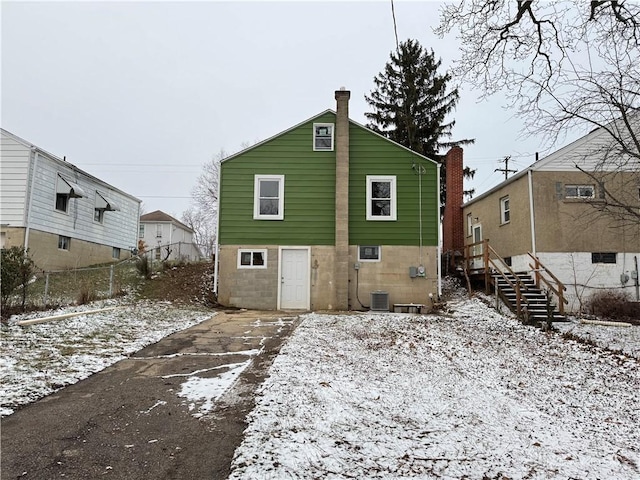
[(64, 243), (603, 257), (323, 136), (252, 258), (381, 197), (115, 252), (369, 253)]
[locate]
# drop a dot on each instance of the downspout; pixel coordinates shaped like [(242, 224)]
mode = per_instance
[(439, 249), (33, 182), (216, 246), (532, 214)]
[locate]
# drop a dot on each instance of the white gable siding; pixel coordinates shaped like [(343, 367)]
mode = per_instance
[(118, 229), (14, 176), (588, 152)]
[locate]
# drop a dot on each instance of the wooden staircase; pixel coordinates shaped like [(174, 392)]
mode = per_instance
[(536, 307), (535, 296)]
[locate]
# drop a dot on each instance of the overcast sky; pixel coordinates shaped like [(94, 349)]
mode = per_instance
[(143, 94)]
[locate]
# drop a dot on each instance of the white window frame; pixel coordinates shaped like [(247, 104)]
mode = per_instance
[(392, 207), (158, 230), (256, 197), (580, 188), (98, 215), (505, 210), (263, 251), (141, 229), (332, 135), (379, 251), (66, 203), (469, 224), (64, 243)]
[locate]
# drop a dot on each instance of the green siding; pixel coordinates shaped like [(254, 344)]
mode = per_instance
[(370, 154), (309, 217), (309, 191)]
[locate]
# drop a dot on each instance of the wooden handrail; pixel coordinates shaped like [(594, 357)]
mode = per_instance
[(546, 270), (558, 290)]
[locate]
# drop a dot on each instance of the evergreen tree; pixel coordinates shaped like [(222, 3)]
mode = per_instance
[(411, 102)]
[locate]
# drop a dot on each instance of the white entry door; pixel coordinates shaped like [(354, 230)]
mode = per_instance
[(294, 278)]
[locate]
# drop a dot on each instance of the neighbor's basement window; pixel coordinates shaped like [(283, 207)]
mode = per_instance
[(369, 253), (64, 243)]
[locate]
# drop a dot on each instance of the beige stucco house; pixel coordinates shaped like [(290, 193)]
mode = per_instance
[(561, 210)]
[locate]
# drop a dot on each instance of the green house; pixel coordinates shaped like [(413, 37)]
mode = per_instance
[(328, 215)]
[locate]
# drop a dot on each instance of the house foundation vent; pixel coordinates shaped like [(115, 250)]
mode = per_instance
[(379, 301)]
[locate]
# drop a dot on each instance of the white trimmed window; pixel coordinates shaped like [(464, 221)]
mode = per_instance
[(505, 212), (381, 197), (469, 225), (252, 258), (369, 253), (141, 231), (64, 243), (323, 136), (268, 202), (65, 190), (579, 191)]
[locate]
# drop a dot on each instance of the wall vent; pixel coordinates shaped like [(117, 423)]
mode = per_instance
[(379, 301)]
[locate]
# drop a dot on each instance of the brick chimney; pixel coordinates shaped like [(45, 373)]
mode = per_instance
[(341, 275), (452, 223)]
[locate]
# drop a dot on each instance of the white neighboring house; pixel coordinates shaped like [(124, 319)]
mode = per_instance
[(65, 216), (167, 238)]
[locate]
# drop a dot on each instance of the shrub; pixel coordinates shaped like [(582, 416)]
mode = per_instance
[(17, 269), (86, 295), (613, 304), (143, 265)]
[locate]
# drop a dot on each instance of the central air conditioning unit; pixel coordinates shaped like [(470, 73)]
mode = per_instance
[(379, 301)]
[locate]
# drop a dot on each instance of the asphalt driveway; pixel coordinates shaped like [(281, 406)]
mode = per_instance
[(128, 422)]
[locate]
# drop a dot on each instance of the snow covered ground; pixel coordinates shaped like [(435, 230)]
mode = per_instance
[(467, 393), (464, 394), (39, 359)]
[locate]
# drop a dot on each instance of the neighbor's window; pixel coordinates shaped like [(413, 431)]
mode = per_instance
[(141, 231), (62, 202), (158, 253), (66, 189), (579, 191), (252, 258), (469, 225), (505, 213), (98, 215), (323, 136), (115, 253), (369, 253), (64, 243), (158, 230), (268, 202), (381, 197), (603, 257)]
